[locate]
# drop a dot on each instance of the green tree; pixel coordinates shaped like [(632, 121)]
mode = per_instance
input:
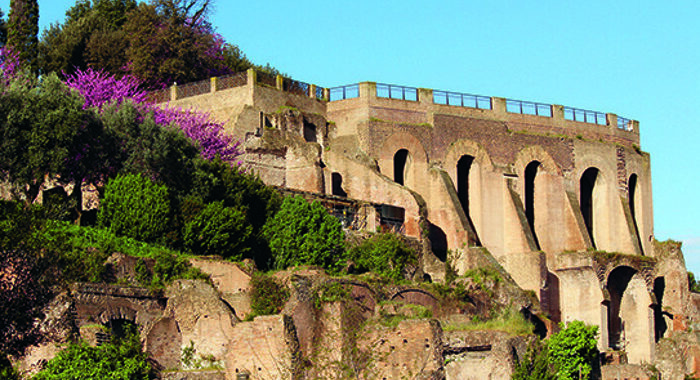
[(136, 207), (91, 36), (385, 254), (46, 132), (573, 351), (693, 284), (218, 230), (23, 29), (303, 233)]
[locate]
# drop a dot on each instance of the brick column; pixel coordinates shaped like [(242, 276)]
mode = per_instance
[(252, 77), (213, 82), (612, 120), (312, 91)]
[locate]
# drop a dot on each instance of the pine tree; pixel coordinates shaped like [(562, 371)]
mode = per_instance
[(23, 29)]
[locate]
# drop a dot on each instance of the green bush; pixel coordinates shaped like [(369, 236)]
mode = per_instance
[(170, 267), (303, 233), (135, 207), (218, 230), (121, 359), (573, 351), (385, 254), (534, 365), (267, 296)]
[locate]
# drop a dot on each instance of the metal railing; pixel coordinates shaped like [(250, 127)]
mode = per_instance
[(397, 92), (193, 89), (320, 93), (345, 92), (266, 79), (392, 225), (462, 100), (295, 86), (231, 80), (528, 108), (159, 96), (585, 116), (624, 124)]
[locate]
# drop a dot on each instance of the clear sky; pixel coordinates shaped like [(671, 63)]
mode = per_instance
[(637, 58)]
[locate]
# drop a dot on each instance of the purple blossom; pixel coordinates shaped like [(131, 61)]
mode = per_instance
[(99, 88), (9, 64)]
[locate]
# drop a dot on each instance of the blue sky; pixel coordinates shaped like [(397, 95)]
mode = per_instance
[(639, 59)]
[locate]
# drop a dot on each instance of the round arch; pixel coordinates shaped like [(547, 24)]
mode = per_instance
[(402, 141)]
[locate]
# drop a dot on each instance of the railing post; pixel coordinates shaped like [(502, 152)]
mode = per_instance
[(367, 89), (557, 112), (327, 94), (498, 105), (213, 82), (612, 120), (312, 91), (252, 77), (280, 82), (173, 91), (425, 96), (635, 126)]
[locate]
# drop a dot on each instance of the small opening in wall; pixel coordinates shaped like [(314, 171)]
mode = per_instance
[(400, 166), (587, 185), (309, 132), (337, 185)]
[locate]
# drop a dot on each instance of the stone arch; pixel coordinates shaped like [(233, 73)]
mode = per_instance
[(593, 194), (418, 157), (630, 324), (634, 200), (466, 162)]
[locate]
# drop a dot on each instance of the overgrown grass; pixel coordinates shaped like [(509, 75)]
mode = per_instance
[(508, 320)]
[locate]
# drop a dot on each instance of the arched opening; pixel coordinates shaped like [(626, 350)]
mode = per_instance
[(660, 325), (463, 166), (309, 132), (118, 328), (400, 166), (587, 185), (337, 185), (618, 280), (438, 242), (631, 197), (530, 174)]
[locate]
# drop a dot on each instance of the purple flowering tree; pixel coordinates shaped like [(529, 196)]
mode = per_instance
[(9, 65), (99, 88)]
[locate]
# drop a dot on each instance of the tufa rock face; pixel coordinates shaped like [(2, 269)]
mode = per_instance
[(205, 322)]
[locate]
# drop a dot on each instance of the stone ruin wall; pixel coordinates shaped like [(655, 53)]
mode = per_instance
[(357, 139)]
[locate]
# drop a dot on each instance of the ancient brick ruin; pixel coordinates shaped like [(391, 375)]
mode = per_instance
[(559, 197)]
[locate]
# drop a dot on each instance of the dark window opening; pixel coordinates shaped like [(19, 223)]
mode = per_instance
[(464, 166), (631, 192), (660, 325), (391, 218), (400, 160), (530, 174), (438, 242), (587, 183), (337, 185), (309, 132), (617, 284)]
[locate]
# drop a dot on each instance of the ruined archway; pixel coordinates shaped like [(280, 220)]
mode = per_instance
[(402, 160), (618, 280), (632, 195), (590, 187), (630, 319), (530, 173)]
